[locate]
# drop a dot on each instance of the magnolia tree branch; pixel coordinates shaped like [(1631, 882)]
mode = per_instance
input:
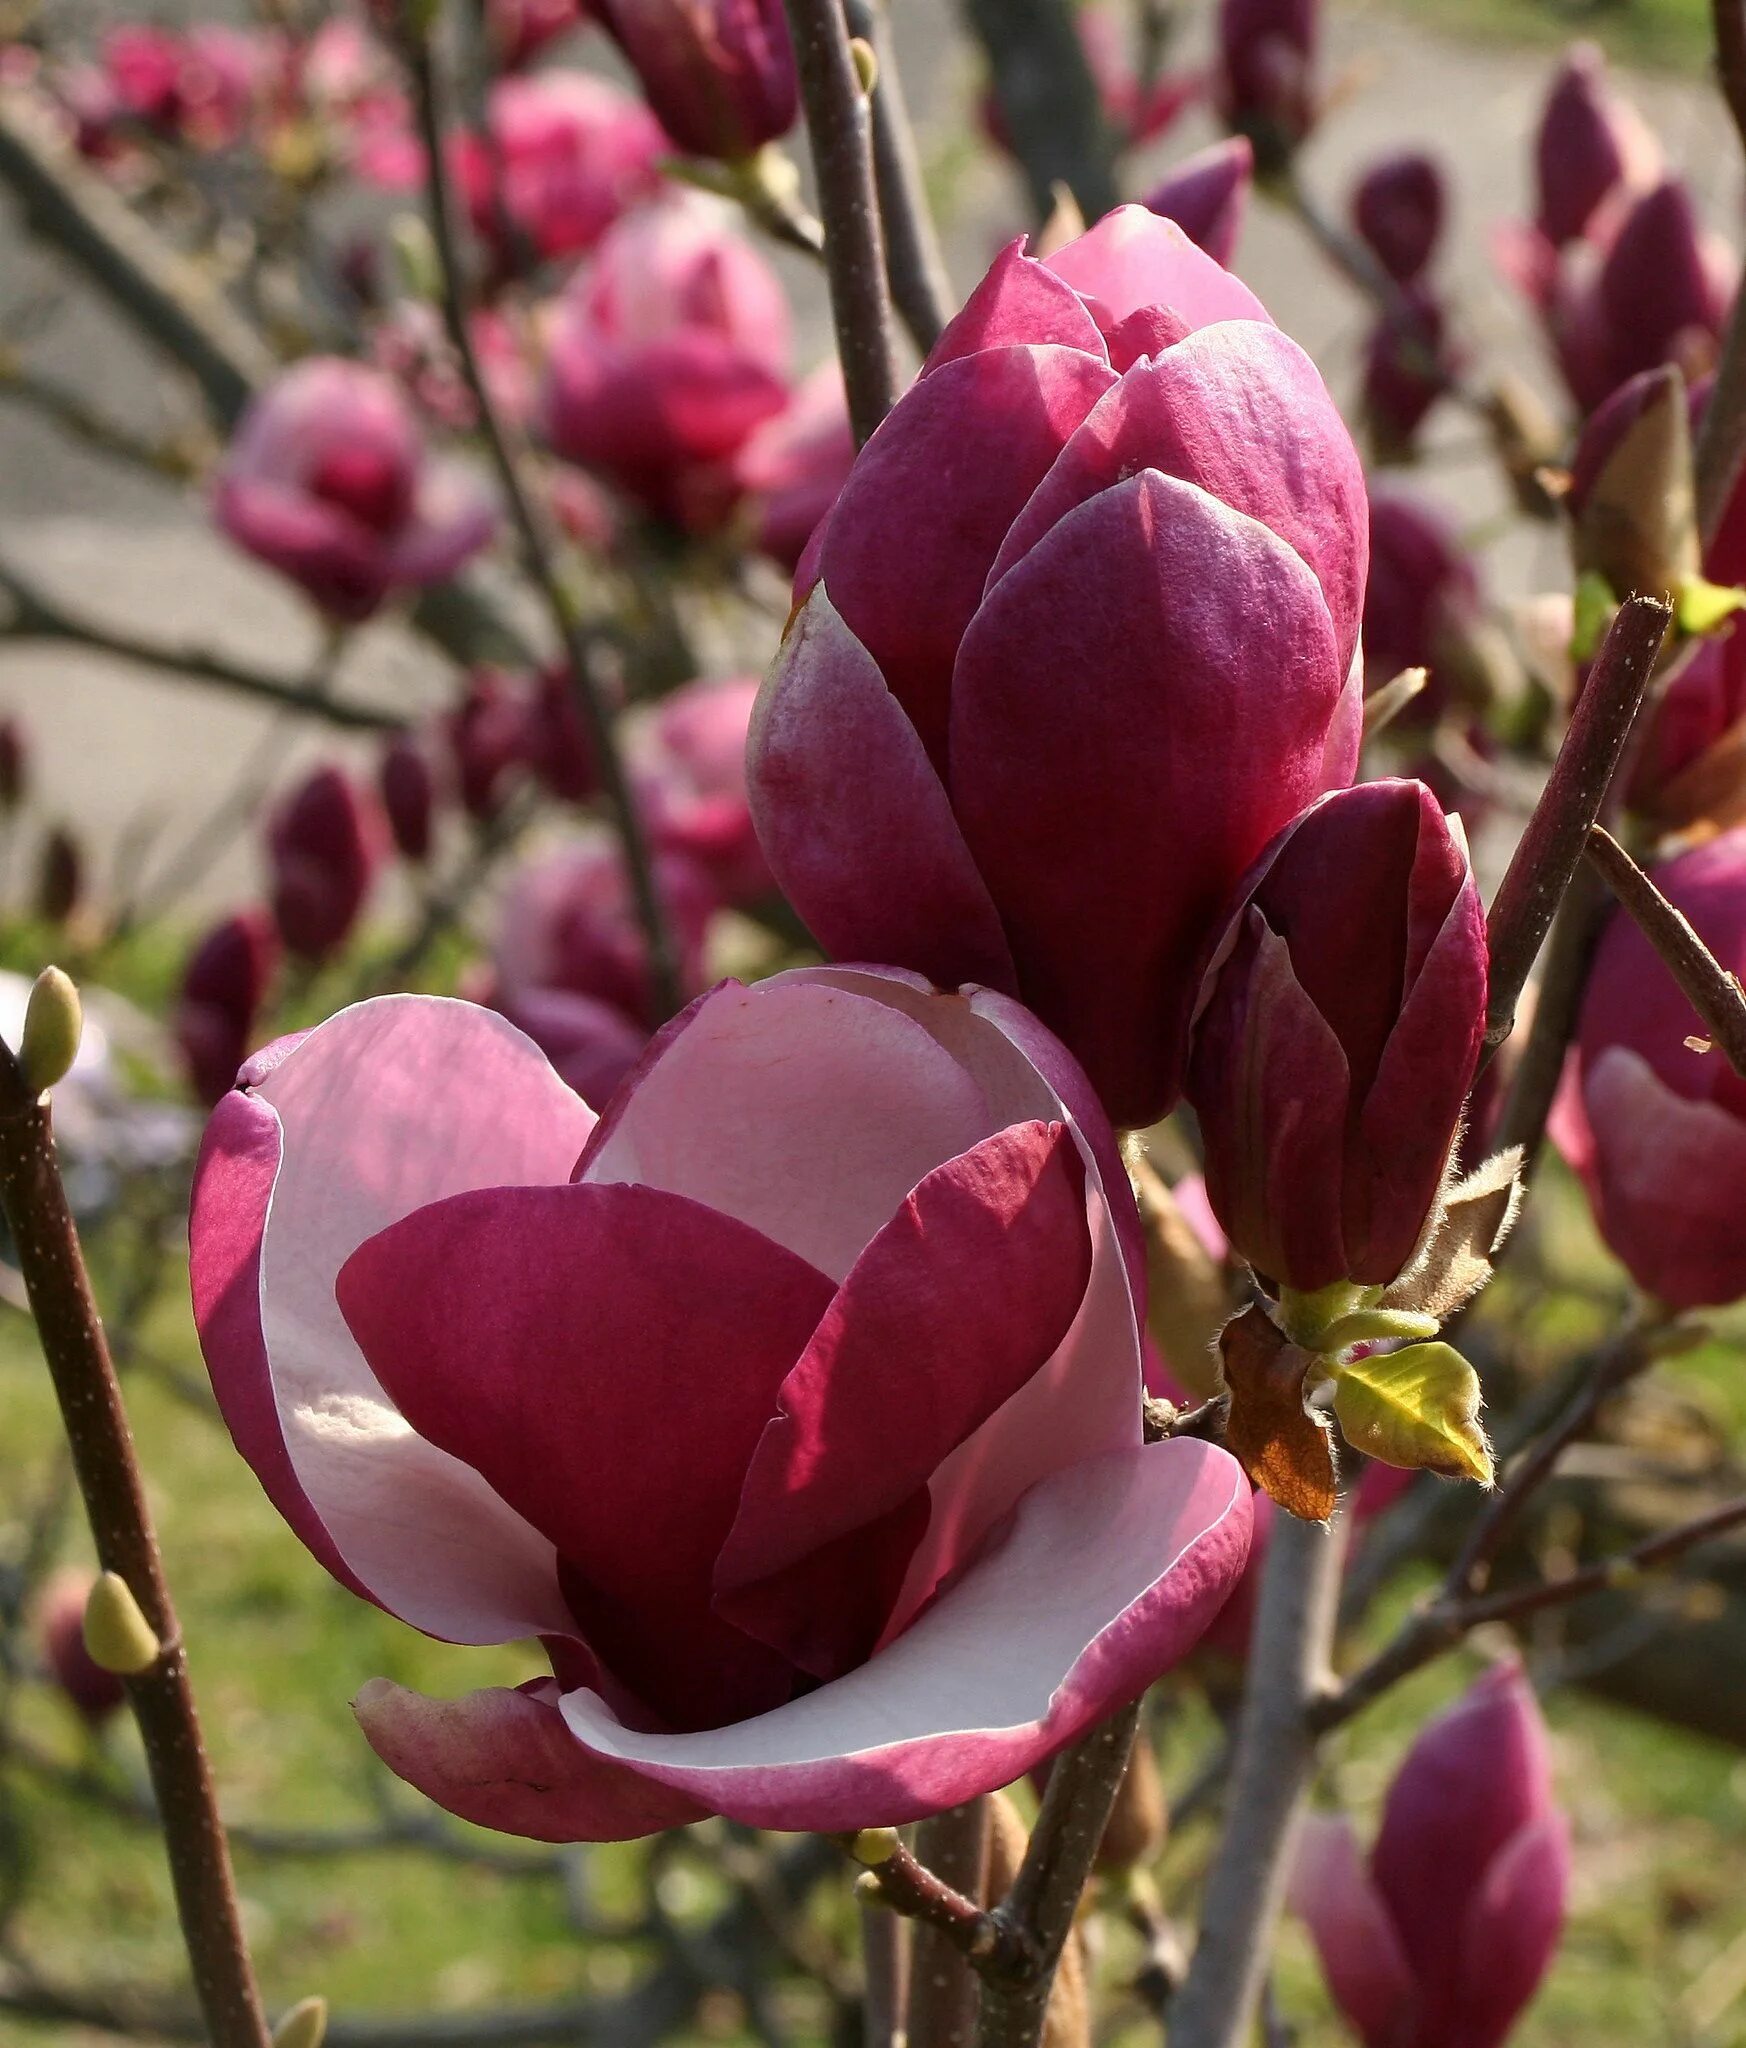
[(534, 530), (839, 126), (1711, 989), (36, 616), (1049, 101), (942, 1980), (1270, 1773), (73, 1344), (915, 267), (1721, 438), (1546, 857), (1036, 1916)]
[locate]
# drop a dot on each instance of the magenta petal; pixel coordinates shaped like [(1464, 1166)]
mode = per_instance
[(1240, 410), (853, 819), (607, 1358), (1131, 258), (341, 564), (1367, 1973), (1020, 300), (233, 1184), (929, 501), (1136, 739), (1511, 1934), (504, 1759), (952, 1308), (1103, 1580)]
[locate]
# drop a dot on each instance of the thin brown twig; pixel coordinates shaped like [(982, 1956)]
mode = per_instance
[(1552, 845), (942, 1983), (73, 1344), (1710, 988), (907, 1886), (839, 124), (915, 266), (539, 547)]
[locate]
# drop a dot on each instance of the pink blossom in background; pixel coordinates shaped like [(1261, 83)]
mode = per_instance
[(793, 1404), (1338, 1038), (1589, 143), (566, 154), (1265, 81), (1654, 1123), (1207, 195), (1409, 361), (1081, 637), (224, 986), (667, 352), (519, 30), (327, 479), (408, 787), (719, 74), (688, 761), (485, 736), (790, 469), (1423, 594), (325, 844), (1399, 208), (198, 86), (346, 78), (1440, 1938), (567, 919)]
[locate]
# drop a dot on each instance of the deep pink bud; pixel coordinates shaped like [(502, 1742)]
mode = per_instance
[(1691, 767), (1408, 363), (1399, 207), (556, 742), (1422, 595), (1207, 195), (486, 734), (666, 353), (14, 763), (408, 786), (591, 1046), (1079, 640), (567, 153), (328, 480), (60, 876), (223, 987), (719, 73), (1339, 1036), (1444, 1936), (1267, 64), (1589, 143), (1654, 1123), (324, 845), (94, 1693)]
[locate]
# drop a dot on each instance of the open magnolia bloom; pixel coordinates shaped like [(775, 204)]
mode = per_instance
[(794, 1402)]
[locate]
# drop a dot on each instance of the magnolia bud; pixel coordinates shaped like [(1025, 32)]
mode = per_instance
[(304, 2026), (117, 1634), (1631, 493), (866, 63), (60, 877), (14, 760), (94, 1692), (408, 795), (1207, 195), (1398, 207), (53, 1022)]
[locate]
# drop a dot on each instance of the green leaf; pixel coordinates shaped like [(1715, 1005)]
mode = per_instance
[(1418, 1408), (1592, 615)]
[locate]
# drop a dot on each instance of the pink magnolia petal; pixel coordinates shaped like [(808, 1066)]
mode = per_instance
[(452, 521), (504, 1759), (389, 1105), (929, 501), (1161, 682), (1331, 1891), (824, 1110), (342, 565), (1019, 300), (953, 1307), (1668, 1174), (880, 870), (1511, 1934), (607, 1358), (1239, 409), (1131, 258), (1103, 1580)]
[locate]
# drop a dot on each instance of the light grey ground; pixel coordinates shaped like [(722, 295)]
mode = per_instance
[(114, 745)]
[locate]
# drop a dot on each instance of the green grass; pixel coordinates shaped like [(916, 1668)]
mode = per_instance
[(1663, 35)]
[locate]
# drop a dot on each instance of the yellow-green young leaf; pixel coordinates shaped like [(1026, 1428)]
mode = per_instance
[(1417, 1407), (1705, 607)]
